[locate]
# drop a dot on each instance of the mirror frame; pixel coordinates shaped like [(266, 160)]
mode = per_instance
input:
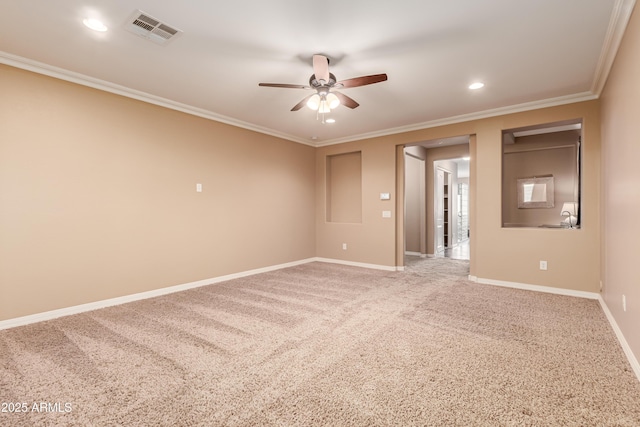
[(547, 181)]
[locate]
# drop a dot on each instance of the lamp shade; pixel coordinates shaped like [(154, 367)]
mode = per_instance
[(314, 102), (323, 103), (333, 100), (569, 209)]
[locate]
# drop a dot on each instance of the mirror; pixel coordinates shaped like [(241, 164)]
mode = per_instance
[(535, 193)]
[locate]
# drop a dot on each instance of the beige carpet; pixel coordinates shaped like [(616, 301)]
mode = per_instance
[(325, 345)]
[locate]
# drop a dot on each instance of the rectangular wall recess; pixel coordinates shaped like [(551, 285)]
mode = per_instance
[(344, 188)]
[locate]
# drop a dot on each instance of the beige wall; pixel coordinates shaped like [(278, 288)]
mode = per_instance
[(98, 200), (98, 197), (414, 210), (512, 255), (621, 185), (373, 240)]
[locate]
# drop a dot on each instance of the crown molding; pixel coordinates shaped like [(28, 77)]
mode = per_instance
[(73, 77), (81, 79), (518, 108), (620, 16)]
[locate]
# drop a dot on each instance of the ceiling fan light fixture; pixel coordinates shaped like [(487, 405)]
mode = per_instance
[(314, 102), (324, 106), (323, 103), (324, 100), (332, 100)]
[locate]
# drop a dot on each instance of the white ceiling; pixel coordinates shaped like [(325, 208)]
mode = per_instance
[(529, 53)]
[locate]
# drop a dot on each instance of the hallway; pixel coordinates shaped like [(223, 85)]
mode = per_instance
[(461, 251)]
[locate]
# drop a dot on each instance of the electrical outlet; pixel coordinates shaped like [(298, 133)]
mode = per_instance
[(199, 188), (543, 265), (344, 246), (624, 303)]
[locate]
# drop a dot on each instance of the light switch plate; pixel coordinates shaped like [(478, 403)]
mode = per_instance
[(386, 214), (385, 196), (199, 188)]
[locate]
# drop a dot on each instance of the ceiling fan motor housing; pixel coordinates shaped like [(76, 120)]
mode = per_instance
[(315, 83)]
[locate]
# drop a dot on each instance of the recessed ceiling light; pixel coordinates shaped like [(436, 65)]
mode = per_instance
[(476, 85), (330, 121), (95, 24)]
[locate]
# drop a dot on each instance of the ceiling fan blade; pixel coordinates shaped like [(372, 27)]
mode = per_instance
[(321, 67), (285, 85), (302, 103), (345, 100), (362, 81)]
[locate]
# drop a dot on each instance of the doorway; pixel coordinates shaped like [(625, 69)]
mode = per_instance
[(461, 249), (442, 203), (436, 182)]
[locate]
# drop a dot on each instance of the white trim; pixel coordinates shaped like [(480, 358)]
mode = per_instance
[(527, 106), (76, 309), (81, 79), (358, 264), (53, 314), (617, 25), (633, 361), (411, 253), (538, 288)]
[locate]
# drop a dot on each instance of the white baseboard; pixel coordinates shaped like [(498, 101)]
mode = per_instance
[(358, 264), (53, 314), (537, 288), (67, 311), (633, 361), (419, 254)]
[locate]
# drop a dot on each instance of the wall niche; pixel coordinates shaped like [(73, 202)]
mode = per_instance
[(344, 188), (541, 175)]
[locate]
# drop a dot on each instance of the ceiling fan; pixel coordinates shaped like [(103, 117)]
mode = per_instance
[(324, 83)]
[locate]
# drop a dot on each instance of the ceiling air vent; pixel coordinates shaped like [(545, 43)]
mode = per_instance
[(150, 28)]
